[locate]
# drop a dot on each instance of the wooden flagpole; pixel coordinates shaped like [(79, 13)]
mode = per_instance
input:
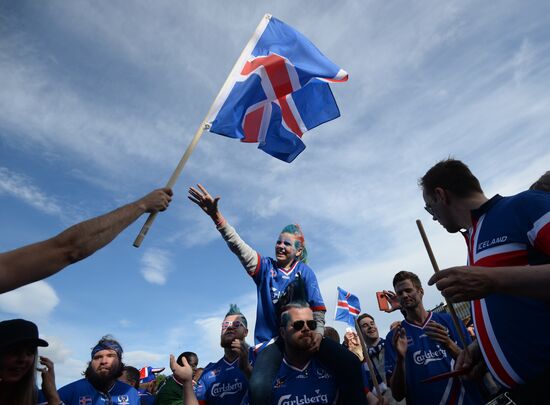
[(202, 127), (454, 316)]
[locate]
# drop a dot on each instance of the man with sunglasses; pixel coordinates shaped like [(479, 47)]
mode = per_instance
[(224, 382), (302, 377), (507, 277)]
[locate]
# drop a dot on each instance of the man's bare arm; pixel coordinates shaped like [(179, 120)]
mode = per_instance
[(40, 260), (465, 283)]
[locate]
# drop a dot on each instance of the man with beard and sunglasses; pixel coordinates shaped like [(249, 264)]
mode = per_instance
[(100, 385), (224, 382), (302, 377)]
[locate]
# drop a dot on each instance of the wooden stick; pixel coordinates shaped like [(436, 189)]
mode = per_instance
[(367, 358), (171, 182), (205, 125), (454, 316)]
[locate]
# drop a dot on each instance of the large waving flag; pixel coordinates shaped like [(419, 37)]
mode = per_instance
[(348, 307), (277, 91)]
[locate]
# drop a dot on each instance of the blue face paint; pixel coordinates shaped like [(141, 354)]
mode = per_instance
[(286, 242), (299, 242)]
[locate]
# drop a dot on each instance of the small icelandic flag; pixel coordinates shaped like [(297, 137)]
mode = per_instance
[(348, 307)]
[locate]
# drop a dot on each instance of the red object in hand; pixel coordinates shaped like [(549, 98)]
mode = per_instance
[(383, 302)]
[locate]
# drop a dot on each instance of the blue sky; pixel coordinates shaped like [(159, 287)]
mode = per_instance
[(100, 99)]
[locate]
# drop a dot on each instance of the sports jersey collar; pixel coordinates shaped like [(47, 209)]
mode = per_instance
[(428, 319), (296, 368), (486, 206), (230, 363), (101, 392), (287, 272)]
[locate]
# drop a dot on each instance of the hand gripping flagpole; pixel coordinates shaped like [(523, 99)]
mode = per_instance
[(205, 125), (454, 317), (367, 358)]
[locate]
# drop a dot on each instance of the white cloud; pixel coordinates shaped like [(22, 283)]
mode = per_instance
[(125, 323), (21, 187), (36, 300), (57, 351), (142, 358), (155, 265)]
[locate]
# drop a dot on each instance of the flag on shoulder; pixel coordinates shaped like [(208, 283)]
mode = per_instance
[(347, 308), (277, 90)]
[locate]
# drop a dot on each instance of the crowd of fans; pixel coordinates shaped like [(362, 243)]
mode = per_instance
[(427, 358)]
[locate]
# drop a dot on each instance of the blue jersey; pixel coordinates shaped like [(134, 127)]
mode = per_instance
[(512, 330), (81, 392), (222, 383), (311, 385), (426, 358), (146, 397), (271, 282)]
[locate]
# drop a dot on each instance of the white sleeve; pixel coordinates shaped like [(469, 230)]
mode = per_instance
[(247, 255)]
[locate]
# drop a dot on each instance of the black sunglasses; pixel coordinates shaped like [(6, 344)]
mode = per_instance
[(429, 209), (299, 325)]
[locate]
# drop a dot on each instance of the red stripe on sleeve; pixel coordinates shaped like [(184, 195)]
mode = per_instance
[(257, 266)]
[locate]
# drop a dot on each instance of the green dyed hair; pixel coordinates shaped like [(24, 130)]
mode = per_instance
[(294, 296), (296, 230), (234, 310)]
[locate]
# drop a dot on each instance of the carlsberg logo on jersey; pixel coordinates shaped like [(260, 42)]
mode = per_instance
[(422, 358), (303, 400), (223, 389)]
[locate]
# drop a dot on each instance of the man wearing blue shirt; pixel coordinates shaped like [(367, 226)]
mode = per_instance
[(226, 381), (100, 385), (507, 276), (424, 345)]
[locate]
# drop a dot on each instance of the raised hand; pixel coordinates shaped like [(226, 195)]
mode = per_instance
[(205, 201), (400, 342), (438, 332), (240, 348), (394, 302), (183, 373), (48, 381)]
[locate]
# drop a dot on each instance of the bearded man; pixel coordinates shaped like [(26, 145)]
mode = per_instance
[(100, 385), (226, 381)]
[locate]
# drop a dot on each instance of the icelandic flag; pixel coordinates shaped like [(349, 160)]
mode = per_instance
[(277, 91), (348, 307), (148, 373)]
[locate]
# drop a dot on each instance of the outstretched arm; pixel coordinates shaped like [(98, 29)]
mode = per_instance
[(465, 283), (209, 205), (40, 260), (247, 255)]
